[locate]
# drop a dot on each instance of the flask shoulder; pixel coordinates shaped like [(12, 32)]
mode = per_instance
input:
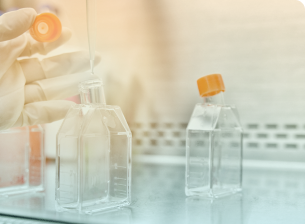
[(211, 116)]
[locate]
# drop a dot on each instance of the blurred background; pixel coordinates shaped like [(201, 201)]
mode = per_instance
[(154, 51)]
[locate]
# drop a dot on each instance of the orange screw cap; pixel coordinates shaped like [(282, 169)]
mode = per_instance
[(210, 85), (46, 28)]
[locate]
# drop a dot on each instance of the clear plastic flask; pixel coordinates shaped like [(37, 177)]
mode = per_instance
[(214, 142), (93, 158), (22, 160)]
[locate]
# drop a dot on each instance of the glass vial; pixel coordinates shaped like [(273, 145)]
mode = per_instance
[(93, 157), (22, 160), (213, 144)]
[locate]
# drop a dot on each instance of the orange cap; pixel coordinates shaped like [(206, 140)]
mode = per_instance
[(210, 85), (46, 27)]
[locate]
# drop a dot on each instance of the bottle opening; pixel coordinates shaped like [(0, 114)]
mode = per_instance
[(216, 99), (92, 92)]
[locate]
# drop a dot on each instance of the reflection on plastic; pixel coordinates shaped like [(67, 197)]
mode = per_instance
[(25, 201), (217, 211), (115, 216)]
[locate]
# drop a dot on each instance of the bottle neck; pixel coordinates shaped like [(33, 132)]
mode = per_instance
[(92, 92), (217, 99)]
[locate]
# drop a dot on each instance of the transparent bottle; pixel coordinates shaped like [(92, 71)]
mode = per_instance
[(214, 142), (93, 158), (22, 160)]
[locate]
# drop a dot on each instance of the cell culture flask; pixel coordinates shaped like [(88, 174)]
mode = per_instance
[(214, 142), (93, 158), (22, 160)]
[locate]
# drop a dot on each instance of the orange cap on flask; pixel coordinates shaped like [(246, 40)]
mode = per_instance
[(46, 28), (210, 85)]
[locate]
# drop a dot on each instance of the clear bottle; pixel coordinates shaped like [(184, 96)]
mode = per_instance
[(22, 160), (93, 158), (214, 142)]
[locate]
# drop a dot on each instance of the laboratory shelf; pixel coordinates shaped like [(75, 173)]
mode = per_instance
[(271, 194)]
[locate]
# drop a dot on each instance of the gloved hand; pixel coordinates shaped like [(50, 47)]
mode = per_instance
[(31, 89)]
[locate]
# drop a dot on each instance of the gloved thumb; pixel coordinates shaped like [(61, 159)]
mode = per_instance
[(15, 23)]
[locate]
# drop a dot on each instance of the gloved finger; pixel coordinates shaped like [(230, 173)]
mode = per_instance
[(11, 95), (64, 64), (15, 23), (55, 88), (43, 112), (44, 48), (9, 51)]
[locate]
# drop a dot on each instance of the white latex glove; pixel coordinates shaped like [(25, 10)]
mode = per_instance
[(31, 89)]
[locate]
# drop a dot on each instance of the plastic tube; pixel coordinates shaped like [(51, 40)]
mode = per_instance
[(91, 27)]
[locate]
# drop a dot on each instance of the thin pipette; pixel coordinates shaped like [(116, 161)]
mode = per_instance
[(91, 27)]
